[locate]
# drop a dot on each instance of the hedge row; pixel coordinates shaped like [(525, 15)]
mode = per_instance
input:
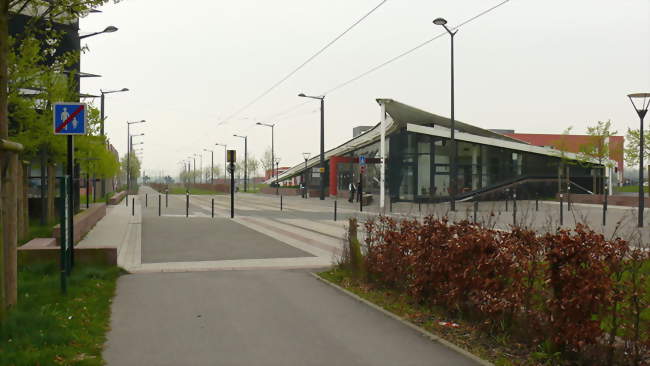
[(585, 295)]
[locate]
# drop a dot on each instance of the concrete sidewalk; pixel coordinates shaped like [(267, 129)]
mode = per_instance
[(120, 228)]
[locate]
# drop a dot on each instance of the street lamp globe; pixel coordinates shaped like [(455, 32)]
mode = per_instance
[(110, 29), (302, 95), (440, 21)]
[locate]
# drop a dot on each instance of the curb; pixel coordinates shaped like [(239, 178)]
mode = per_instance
[(423, 332)]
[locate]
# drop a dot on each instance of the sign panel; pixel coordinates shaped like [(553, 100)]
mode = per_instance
[(232, 156), (362, 160), (322, 170), (70, 118)]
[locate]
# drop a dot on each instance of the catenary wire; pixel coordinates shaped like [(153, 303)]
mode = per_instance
[(311, 58)]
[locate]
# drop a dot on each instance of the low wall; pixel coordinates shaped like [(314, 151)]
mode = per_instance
[(47, 250), (83, 222), (288, 191), (222, 188), (117, 198), (615, 200)]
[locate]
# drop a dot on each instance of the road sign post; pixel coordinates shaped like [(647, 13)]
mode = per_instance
[(232, 158), (69, 119), (63, 237)]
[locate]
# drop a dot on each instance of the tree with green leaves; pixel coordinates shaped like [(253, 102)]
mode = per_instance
[(598, 149), (632, 143)]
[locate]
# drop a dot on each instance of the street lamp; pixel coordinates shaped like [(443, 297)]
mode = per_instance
[(641, 110), (305, 155), (454, 152), (277, 169), (128, 153), (245, 161), (109, 29), (322, 141), (194, 171), (103, 183), (272, 148), (211, 165), (225, 160)]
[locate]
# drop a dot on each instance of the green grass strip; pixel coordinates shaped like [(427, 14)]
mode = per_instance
[(48, 328)]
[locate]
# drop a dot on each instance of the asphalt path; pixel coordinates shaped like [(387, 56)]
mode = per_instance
[(256, 318)]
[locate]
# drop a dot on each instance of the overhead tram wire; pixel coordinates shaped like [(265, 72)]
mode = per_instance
[(406, 53), (362, 75), (311, 58)]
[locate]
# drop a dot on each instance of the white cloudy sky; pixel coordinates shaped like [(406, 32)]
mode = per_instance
[(531, 65)]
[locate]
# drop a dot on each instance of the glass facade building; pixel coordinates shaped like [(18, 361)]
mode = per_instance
[(418, 156)]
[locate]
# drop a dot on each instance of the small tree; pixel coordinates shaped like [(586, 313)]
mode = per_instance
[(267, 160), (632, 143), (598, 149)]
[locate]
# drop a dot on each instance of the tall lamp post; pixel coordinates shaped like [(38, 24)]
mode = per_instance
[(277, 169), (643, 99), (225, 160), (454, 152), (128, 154), (211, 165), (322, 141), (305, 156), (131, 144), (245, 161), (194, 171), (272, 147), (101, 130)]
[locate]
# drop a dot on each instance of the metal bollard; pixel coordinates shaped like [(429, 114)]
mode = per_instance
[(127, 200), (561, 210), (146, 200), (475, 210), (159, 202), (390, 205), (506, 203), (132, 206), (568, 198), (514, 209), (605, 210), (536, 201), (281, 202), (335, 204), (213, 207), (419, 206), (166, 199), (187, 205)]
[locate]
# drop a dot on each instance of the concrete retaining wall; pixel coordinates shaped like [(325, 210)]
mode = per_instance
[(47, 250), (117, 198), (614, 200), (83, 222)]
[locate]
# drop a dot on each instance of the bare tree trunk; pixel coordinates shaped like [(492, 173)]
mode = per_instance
[(51, 193), (10, 234)]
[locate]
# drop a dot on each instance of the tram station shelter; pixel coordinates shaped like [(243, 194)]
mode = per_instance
[(417, 166)]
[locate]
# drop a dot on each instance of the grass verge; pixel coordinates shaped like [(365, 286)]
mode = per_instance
[(498, 348), (197, 191), (629, 189), (48, 328)]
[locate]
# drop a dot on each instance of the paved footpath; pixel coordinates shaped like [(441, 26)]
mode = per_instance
[(183, 304)]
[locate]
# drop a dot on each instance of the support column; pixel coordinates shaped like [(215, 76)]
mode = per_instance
[(334, 160)]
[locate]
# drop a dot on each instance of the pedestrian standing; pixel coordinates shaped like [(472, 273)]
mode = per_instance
[(352, 190)]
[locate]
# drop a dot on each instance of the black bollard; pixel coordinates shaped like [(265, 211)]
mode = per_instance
[(475, 210), (390, 204), (514, 209), (335, 210), (281, 202), (536, 201), (419, 206), (166, 198), (187, 205), (605, 208), (568, 198), (146, 200), (132, 206), (127, 200), (159, 203), (561, 210), (213, 207), (506, 203)]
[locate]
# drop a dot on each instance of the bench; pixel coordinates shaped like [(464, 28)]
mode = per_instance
[(366, 199), (47, 250), (117, 198)]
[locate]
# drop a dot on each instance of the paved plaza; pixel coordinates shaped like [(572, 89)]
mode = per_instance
[(207, 290)]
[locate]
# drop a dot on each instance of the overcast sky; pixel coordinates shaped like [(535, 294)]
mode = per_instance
[(532, 66)]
